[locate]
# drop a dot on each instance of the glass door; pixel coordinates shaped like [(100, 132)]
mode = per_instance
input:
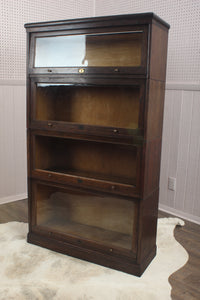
[(104, 49), (83, 215)]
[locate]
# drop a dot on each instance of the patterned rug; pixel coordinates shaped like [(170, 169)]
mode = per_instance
[(30, 272)]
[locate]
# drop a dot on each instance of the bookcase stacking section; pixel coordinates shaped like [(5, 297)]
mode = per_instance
[(107, 220), (95, 99)]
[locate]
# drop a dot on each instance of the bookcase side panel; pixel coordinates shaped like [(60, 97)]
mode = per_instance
[(158, 52)]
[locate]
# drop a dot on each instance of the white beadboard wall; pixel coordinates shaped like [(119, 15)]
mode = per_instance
[(13, 142), (181, 152)]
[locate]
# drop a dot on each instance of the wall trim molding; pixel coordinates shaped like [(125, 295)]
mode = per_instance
[(183, 86), (12, 82), (181, 214), (13, 198)]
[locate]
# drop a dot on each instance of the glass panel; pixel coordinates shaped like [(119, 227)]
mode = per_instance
[(107, 220), (105, 106), (102, 161), (95, 50)]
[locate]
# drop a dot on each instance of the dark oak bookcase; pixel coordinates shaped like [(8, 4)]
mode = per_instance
[(95, 98)]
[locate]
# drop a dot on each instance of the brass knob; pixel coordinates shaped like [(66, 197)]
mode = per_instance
[(49, 175), (81, 71), (111, 250), (50, 124), (116, 70), (115, 131), (113, 187)]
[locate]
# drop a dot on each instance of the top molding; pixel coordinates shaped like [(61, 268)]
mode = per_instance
[(128, 19)]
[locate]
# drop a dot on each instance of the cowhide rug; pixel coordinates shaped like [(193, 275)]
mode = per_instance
[(28, 272)]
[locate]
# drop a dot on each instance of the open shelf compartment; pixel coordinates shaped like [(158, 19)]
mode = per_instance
[(95, 160), (108, 106)]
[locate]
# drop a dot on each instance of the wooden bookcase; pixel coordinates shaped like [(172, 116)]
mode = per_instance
[(95, 98)]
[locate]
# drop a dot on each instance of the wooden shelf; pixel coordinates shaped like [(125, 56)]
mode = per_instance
[(113, 179)]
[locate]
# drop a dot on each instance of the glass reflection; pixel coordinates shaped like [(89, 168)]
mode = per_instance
[(60, 51)]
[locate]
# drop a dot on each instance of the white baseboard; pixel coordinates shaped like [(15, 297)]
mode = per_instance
[(12, 198), (180, 214)]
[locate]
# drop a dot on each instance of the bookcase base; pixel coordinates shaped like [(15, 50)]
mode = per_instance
[(130, 267)]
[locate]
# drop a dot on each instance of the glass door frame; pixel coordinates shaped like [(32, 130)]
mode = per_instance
[(142, 69)]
